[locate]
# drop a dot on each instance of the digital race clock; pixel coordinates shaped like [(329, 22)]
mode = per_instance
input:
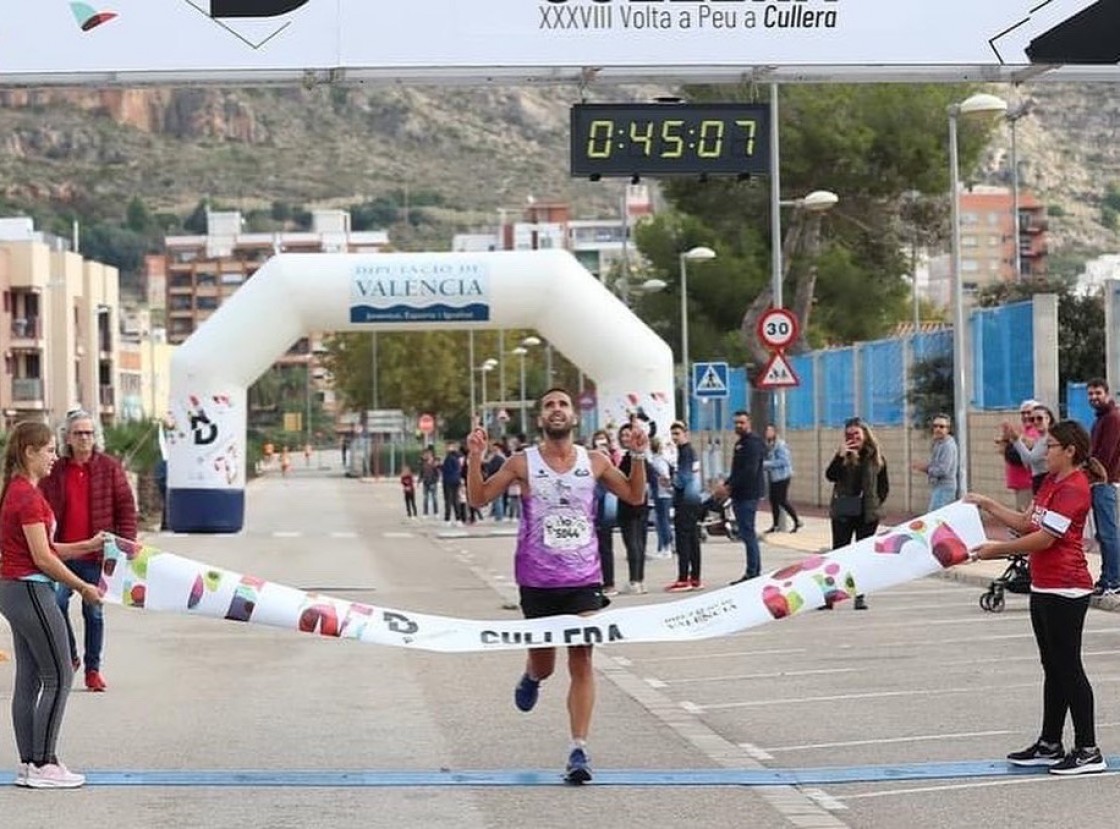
[(670, 139)]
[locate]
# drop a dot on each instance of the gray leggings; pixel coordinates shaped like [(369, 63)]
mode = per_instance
[(43, 670)]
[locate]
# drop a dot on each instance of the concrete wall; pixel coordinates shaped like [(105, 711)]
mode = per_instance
[(813, 450)]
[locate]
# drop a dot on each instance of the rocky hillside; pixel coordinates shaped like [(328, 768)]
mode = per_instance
[(480, 148)]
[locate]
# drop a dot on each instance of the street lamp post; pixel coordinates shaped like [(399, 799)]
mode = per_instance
[(1013, 115), (977, 104), (531, 342), (520, 352), (697, 254), (487, 366)]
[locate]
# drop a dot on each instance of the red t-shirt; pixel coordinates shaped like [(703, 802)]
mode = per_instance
[(1060, 509), (23, 504), (77, 522)]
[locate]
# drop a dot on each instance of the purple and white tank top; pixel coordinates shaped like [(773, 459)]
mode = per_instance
[(556, 543)]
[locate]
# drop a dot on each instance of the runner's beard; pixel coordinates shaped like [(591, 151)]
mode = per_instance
[(554, 431)]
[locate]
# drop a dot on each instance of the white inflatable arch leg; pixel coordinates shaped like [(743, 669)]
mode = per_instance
[(293, 295)]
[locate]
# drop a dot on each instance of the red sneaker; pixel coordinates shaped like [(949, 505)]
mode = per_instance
[(696, 584), (679, 586), (94, 682)]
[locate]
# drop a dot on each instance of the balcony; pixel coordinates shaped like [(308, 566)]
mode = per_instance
[(25, 328), (27, 390)]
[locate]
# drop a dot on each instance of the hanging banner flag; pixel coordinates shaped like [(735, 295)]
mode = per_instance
[(136, 575)]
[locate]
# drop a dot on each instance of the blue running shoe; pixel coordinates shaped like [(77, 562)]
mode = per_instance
[(578, 771), (526, 693)]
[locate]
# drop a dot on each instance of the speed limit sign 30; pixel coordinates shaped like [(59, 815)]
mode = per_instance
[(777, 328)]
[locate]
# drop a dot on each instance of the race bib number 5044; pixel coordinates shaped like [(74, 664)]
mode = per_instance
[(566, 530)]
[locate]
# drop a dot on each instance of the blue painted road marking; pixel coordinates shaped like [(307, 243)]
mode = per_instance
[(342, 778)]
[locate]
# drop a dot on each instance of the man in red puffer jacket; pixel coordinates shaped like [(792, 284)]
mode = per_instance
[(89, 493)]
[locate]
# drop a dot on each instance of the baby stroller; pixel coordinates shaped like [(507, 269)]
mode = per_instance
[(718, 518), (1015, 579)]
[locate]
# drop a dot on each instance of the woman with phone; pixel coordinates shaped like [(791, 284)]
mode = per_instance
[(860, 485)]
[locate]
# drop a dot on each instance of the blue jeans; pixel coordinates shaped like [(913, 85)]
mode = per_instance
[(942, 495), (745, 512), (92, 617), (664, 530), (430, 497), (1104, 517)]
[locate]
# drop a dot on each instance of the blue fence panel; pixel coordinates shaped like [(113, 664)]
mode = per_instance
[(799, 401), (933, 344), (1003, 355), (1077, 405), (881, 391), (838, 397)]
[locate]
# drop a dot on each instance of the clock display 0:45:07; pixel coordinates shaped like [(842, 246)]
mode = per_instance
[(684, 139)]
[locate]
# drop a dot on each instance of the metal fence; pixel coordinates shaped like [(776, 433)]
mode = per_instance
[(1002, 355), (870, 379)]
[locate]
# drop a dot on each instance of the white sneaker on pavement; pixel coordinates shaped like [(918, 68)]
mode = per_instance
[(53, 776)]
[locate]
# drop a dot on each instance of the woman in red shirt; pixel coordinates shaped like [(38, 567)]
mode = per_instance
[(29, 567), (1050, 531)]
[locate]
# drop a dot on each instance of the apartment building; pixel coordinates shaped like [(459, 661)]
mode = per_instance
[(988, 242), (202, 271), (58, 328), (599, 244), (197, 273)]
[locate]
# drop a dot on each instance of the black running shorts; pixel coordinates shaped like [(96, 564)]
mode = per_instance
[(557, 601)]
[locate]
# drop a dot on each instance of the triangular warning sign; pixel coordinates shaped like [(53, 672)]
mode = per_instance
[(711, 382), (778, 374)]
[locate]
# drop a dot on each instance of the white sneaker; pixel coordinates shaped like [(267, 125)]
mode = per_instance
[(53, 776), (21, 775)]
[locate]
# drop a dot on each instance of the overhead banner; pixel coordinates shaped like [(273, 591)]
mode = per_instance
[(440, 39), (140, 576)]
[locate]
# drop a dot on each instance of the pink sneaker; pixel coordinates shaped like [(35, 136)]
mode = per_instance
[(21, 775), (53, 776)]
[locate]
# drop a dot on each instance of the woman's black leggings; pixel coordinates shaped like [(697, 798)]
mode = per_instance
[(43, 670), (1058, 622), (779, 500)]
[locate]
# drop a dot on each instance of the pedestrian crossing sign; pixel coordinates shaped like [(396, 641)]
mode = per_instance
[(709, 381)]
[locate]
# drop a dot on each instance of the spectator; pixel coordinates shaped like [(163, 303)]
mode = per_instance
[(1031, 448), (1016, 473), (633, 519), (1105, 449), (661, 485), (89, 493), (860, 485), (941, 468), (779, 473), (429, 480), (744, 487), (687, 508), (451, 473), (408, 487)]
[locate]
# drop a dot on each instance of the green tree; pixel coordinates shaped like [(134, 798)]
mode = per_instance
[(869, 144)]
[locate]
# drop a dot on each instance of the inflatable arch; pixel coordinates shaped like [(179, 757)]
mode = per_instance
[(295, 294)]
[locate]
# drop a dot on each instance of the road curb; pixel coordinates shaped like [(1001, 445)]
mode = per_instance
[(1110, 604)]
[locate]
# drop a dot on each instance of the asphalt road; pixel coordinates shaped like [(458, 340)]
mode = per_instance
[(916, 701)]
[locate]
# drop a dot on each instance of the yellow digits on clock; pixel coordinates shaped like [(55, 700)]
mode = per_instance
[(599, 139), (672, 145)]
